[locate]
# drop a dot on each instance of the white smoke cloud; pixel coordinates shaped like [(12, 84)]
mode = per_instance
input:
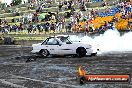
[(110, 41)]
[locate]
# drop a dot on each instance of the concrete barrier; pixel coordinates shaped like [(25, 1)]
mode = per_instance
[(27, 42)]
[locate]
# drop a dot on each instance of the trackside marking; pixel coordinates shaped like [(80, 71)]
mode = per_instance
[(54, 83), (11, 84)]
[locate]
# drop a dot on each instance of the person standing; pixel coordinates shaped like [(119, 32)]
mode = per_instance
[(113, 26), (71, 19), (60, 27), (63, 22), (52, 27), (91, 27), (39, 28), (47, 27), (105, 25), (57, 27), (29, 29), (87, 27), (69, 26)]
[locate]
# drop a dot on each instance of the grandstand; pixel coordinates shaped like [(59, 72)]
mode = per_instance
[(8, 13), (114, 11), (96, 12)]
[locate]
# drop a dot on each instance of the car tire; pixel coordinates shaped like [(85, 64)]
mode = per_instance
[(81, 52), (44, 53)]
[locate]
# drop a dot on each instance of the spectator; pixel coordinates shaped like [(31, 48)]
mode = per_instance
[(60, 5), (105, 25), (53, 17), (29, 28), (39, 28), (109, 26), (115, 19), (91, 27), (63, 22), (60, 27), (87, 28), (21, 27), (113, 26), (71, 20), (129, 24), (92, 12), (69, 4), (14, 27), (101, 29), (57, 27), (47, 26), (52, 27), (69, 27)]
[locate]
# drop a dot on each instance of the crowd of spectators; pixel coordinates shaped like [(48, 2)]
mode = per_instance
[(57, 23)]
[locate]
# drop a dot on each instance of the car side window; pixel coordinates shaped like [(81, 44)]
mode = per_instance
[(64, 39), (52, 41)]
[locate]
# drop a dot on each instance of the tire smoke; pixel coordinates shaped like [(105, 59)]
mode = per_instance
[(110, 41)]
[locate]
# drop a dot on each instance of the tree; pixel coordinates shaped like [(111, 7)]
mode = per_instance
[(16, 2)]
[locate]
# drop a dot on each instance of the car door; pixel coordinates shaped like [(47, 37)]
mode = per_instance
[(51, 44), (65, 48)]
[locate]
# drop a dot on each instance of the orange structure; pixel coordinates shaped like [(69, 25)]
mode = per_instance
[(122, 24)]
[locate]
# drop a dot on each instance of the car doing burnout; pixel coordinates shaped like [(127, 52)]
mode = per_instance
[(61, 45)]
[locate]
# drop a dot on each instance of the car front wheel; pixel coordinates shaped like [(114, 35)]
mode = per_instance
[(44, 53)]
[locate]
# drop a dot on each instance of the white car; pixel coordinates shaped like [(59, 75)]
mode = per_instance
[(61, 45)]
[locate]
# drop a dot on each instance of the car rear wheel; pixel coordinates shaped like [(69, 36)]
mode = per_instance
[(44, 53), (81, 52)]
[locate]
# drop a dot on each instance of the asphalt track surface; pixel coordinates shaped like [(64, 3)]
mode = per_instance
[(58, 72)]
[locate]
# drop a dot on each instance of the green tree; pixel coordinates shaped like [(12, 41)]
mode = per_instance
[(16, 2)]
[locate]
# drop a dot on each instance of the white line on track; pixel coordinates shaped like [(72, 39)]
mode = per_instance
[(54, 83), (11, 84)]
